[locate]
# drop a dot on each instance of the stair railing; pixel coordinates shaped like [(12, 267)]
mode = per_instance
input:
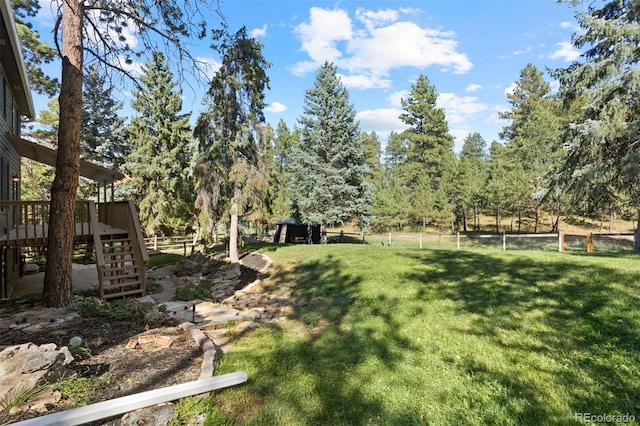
[(97, 244), (123, 215)]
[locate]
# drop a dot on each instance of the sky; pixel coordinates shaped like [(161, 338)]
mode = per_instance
[(472, 52)]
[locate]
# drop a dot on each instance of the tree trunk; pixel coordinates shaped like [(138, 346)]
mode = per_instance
[(233, 233), (535, 226), (58, 288), (519, 219), (464, 220), (497, 221)]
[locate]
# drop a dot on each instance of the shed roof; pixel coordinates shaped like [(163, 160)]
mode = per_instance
[(45, 155)]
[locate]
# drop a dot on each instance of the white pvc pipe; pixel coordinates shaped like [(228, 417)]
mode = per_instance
[(125, 404)]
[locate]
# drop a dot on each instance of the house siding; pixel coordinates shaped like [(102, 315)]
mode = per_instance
[(9, 167)]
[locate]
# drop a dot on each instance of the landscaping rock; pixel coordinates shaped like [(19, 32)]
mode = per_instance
[(24, 367)]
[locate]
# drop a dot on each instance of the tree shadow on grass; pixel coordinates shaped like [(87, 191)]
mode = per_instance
[(576, 325), (340, 331)]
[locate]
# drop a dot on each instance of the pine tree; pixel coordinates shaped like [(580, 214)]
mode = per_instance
[(429, 144), (532, 134), (103, 138), (602, 141), (159, 160), (328, 166), (104, 134), (428, 147), (505, 178), (230, 172), (284, 140), (472, 177)]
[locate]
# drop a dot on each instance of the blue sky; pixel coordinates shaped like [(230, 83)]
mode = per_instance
[(471, 50)]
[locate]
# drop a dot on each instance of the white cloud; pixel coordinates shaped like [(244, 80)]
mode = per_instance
[(405, 44), (276, 107), (459, 108), (372, 19), (320, 36), (259, 32), (472, 88), (396, 97), (566, 24), (374, 44), (382, 120), (566, 52), (364, 81)]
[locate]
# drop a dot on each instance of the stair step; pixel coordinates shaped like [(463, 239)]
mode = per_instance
[(114, 272), (118, 253), (119, 285), (123, 293), (115, 240), (121, 277), (118, 265)]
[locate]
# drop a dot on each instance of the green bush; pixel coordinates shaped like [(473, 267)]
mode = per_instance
[(118, 309)]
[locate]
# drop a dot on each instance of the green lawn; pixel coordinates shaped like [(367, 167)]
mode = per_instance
[(396, 336)]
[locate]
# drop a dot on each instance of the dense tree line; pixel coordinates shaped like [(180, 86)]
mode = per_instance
[(570, 152)]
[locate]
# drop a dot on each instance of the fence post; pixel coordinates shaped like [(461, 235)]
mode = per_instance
[(560, 242), (504, 240), (420, 241), (458, 237), (389, 242)]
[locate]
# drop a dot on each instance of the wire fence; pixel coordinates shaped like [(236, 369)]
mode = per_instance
[(568, 242)]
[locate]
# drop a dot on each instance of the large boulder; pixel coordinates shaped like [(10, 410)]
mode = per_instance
[(24, 367)]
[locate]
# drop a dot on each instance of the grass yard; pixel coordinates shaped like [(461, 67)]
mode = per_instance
[(395, 336)]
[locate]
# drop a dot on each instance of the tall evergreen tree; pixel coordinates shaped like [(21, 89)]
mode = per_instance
[(284, 141), (470, 179), (230, 170), (328, 166), (103, 139), (532, 133), (159, 160), (602, 142), (104, 134), (373, 156), (429, 144), (505, 177), (391, 205)]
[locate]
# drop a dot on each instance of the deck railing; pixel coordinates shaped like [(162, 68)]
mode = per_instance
[(24, 223)]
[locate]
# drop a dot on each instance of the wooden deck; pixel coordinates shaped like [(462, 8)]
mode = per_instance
[(36, 234), (111, 230)]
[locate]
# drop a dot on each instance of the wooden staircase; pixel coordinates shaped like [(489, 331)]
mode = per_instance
[(121, 258), (121, 275)]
